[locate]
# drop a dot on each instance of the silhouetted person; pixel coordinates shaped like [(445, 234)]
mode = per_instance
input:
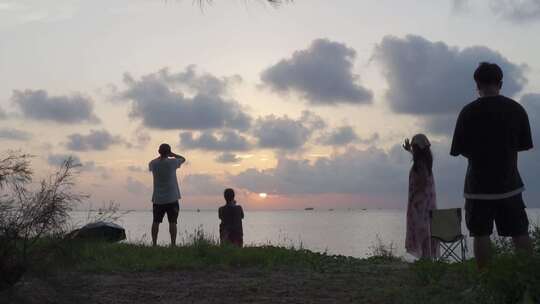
[(231, 215), (422, 199), (490, 132), (166, 191)]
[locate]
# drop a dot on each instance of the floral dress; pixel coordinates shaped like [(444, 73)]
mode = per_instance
[(422, 199)]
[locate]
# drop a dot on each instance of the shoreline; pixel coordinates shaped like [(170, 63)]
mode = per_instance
[(261, 210)]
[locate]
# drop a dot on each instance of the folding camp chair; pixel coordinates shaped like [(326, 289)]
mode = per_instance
[(446, 228)]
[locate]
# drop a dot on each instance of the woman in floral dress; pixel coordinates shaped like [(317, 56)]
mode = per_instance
[(422, 199)]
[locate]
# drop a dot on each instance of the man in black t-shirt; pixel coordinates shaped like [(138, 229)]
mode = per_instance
[(490, 132)]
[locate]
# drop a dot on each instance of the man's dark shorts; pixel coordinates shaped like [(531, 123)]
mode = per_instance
[(171, 209), (509, 216)]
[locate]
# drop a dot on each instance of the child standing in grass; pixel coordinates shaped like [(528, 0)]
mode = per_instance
[(231, 215), (422, 199)]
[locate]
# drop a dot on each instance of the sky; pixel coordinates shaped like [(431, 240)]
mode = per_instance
[(307, 102)]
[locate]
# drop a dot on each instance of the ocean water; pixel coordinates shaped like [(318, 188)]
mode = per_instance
[(346, 232)]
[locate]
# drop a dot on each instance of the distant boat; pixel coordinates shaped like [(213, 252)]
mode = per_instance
[(308, 209), (330, 209), (198, 210)]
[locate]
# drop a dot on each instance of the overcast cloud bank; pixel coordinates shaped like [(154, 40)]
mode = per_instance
[(322, 74), (68, 109)]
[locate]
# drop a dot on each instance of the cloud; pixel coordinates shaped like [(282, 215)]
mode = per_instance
[(459, 5), (516, 11), (157, 102), (202, 184), (339, 137), (227, 157), (370, 171), (521, 11), (370, 140), (59, 159), (135, 168), (136, 187), (441, 124), (531, 103), (450, 172), (88, 166), (286, 133), (322, 74), (91, 166), (38, 105), (140, 139), (529, 161), (96, 140), (531, 99), (434, 81), (204, 84), (14, 134), (429, 78), (214, 141)]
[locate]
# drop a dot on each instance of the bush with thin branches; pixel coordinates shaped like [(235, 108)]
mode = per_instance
[(29, 215)]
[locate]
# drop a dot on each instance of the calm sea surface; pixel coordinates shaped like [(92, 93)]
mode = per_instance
[(351, 233)]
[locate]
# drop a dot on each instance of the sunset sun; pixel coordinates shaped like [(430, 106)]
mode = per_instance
[(263, 195)]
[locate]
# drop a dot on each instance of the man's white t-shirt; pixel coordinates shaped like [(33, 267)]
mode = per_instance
[(166, 188)]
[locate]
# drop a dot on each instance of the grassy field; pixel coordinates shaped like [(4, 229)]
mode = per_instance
[(202, 272)]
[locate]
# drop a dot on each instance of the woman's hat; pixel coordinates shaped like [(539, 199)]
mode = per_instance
[(421, 141)]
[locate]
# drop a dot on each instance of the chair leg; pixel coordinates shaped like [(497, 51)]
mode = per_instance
[(452, 251), (463, 257)]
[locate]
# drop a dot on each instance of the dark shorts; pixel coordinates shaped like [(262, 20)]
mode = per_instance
[(508, 214), (171, 209)]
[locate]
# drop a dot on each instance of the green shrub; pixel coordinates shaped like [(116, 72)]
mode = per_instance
[(382, 253), (535, 235), (428, 272), (28, 215), (509, 279)]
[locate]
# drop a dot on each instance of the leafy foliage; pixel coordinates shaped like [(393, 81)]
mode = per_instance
[(27, 216)]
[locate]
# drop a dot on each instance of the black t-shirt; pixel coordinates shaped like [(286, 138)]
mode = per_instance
[(490, 132), (231, 219)]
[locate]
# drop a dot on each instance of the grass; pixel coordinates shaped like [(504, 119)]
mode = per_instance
[(200, 253), (104, 257), (510, 279)]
